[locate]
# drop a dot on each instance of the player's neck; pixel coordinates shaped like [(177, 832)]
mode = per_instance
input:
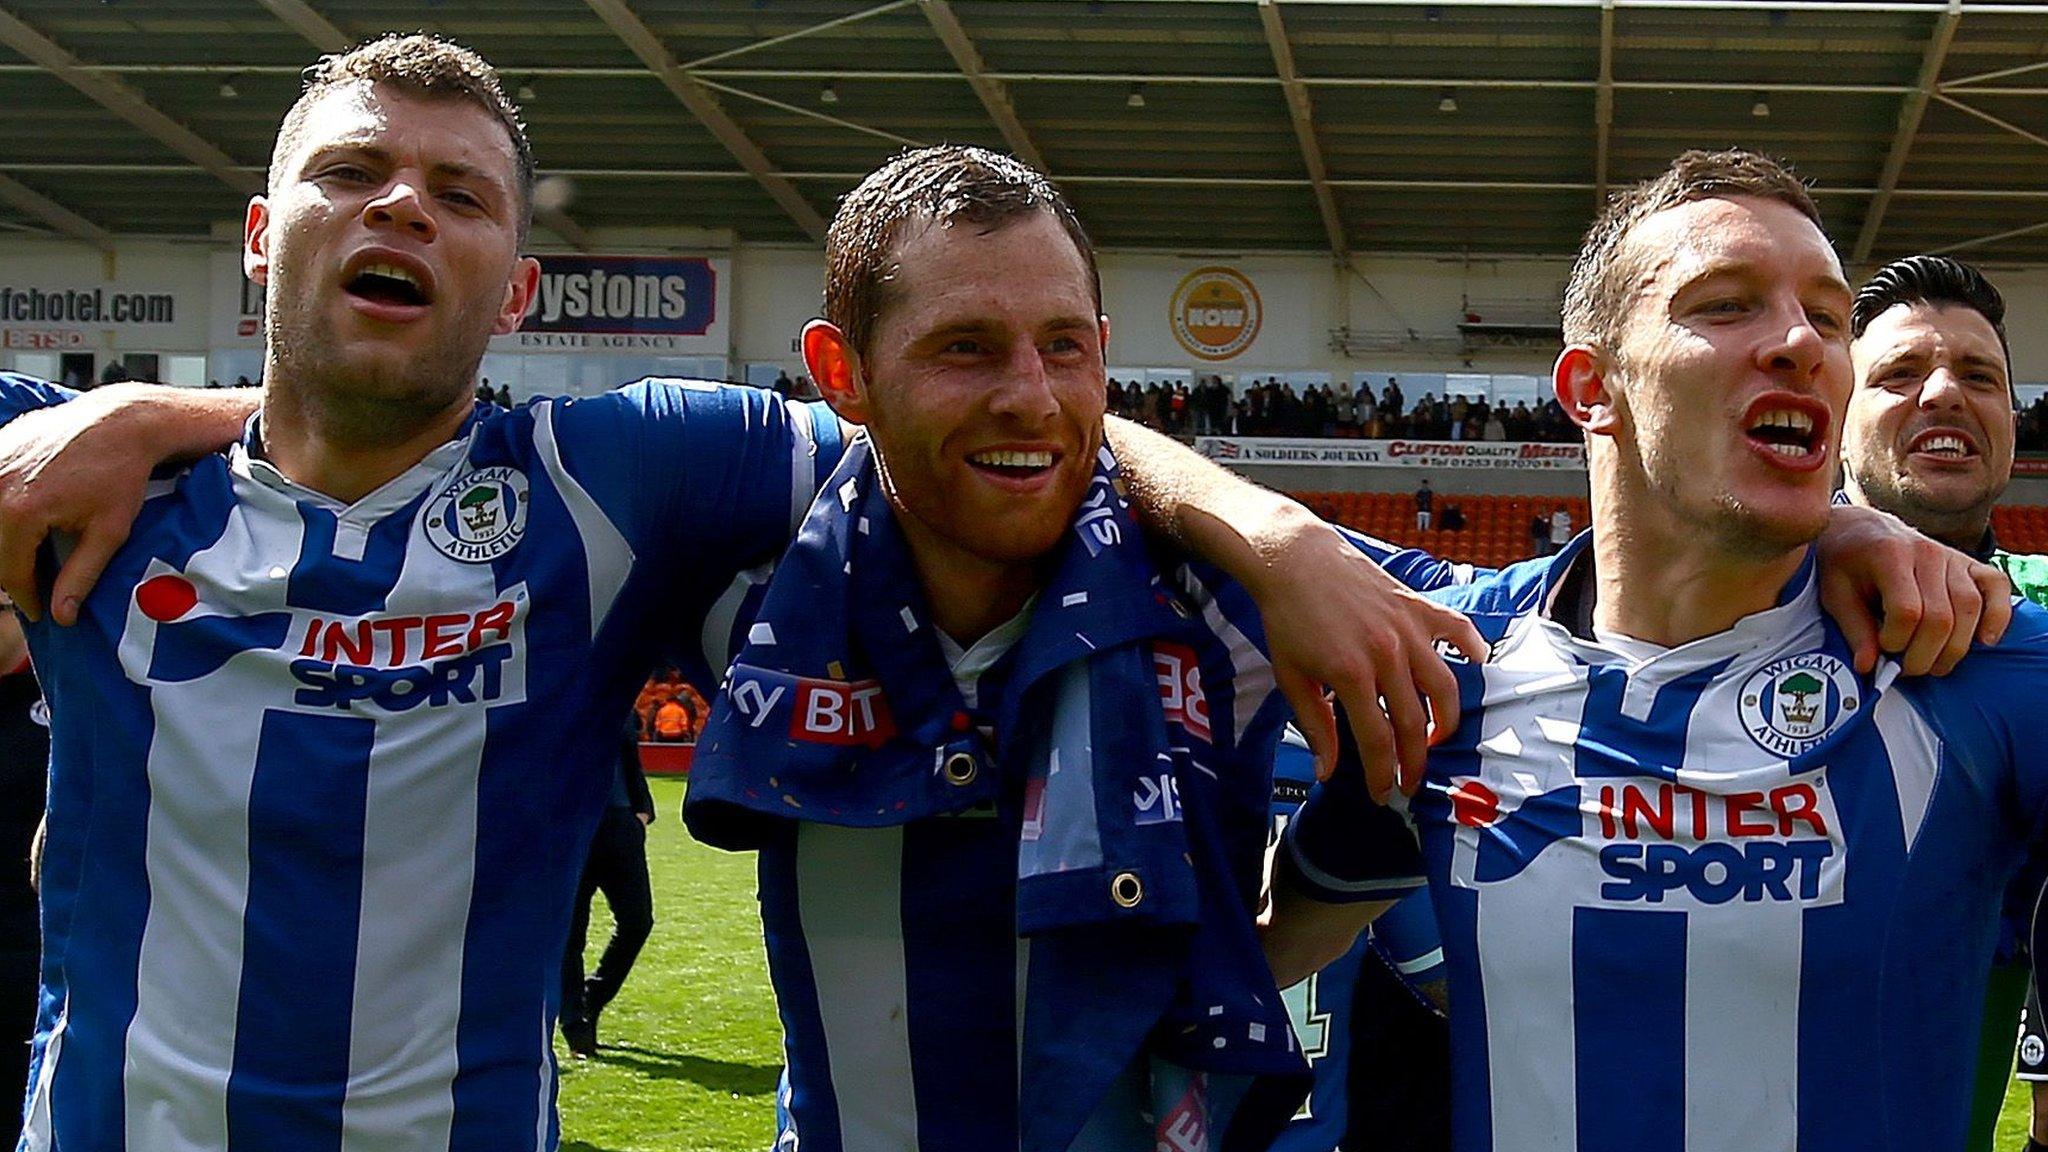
[(1965, 532), (330, 453), (969, 595), (1666, 598), (1669, 585)]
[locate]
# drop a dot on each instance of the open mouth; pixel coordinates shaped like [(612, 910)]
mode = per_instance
[(387, 284), (1944, 444), (1013, 464), (1784, 431)]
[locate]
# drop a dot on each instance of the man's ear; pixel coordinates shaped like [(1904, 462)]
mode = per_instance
[(519, 291), (256, 241), (1581, 378), (835, 368)]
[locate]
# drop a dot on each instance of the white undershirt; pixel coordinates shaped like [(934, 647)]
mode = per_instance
[(970, 663)]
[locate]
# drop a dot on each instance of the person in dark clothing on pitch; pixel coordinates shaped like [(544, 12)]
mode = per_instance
[(617, 867)]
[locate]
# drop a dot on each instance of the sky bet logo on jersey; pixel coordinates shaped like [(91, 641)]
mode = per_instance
[(1179, 672), (480, 516), (1753, 836), (819, 711)]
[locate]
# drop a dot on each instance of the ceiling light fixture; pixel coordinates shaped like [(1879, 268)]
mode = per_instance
[(228, 90), (1137, 97), (1761, 108), (1449, 103), (828, 95), (526, 94)]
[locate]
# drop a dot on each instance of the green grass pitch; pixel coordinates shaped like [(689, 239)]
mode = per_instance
[(691, 1048), (690, 1051)]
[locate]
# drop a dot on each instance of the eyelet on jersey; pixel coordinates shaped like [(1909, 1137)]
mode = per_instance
[(1126, 889), (961, 768)]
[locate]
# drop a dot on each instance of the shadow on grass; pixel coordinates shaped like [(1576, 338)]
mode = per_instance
[(719, 1075), (582, 1146)]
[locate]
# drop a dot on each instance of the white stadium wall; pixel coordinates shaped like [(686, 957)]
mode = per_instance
[(777, 290), (147, 299), (1279, 315), (1302, 300)]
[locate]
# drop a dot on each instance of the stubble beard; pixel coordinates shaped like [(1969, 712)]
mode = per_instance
[(1738, 530), (363, 405), (1895, 490)]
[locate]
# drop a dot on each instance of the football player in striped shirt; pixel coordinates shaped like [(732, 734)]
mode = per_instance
[(329, 739), (1705, 884), (1004, 759), (327, 743)]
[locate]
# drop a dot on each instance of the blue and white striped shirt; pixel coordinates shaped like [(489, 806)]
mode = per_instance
[(1726, 896), (323, 775)]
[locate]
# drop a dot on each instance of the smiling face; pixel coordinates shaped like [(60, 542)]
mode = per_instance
[(1725, 389), (1930, 429), (983, 390), (388, 245)]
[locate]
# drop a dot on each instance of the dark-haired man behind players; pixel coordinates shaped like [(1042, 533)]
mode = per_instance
[(1929, 437)]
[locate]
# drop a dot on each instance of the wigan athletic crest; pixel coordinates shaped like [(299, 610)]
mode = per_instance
[(1790, 705), (479, 517)]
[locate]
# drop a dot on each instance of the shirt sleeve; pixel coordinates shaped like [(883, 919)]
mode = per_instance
[(1987, 720), (19, 394), (1406, 936), (1412, 566), (697, 469)]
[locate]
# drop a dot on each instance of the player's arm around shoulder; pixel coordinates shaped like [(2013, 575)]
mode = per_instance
[(80, 464), (1334, 616)]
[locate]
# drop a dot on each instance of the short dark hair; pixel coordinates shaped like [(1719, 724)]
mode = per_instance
[(1596, 296), (946, 184), (1935, 280), (423, 65)]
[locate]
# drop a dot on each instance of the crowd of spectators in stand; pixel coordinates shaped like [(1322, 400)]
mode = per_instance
[(1274, 408), (669, 711)]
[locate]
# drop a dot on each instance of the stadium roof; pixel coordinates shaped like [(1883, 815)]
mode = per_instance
[(1316, 125)]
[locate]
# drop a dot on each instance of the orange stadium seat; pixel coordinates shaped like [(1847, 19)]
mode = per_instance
[(2021, 527), (1497, 527)]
